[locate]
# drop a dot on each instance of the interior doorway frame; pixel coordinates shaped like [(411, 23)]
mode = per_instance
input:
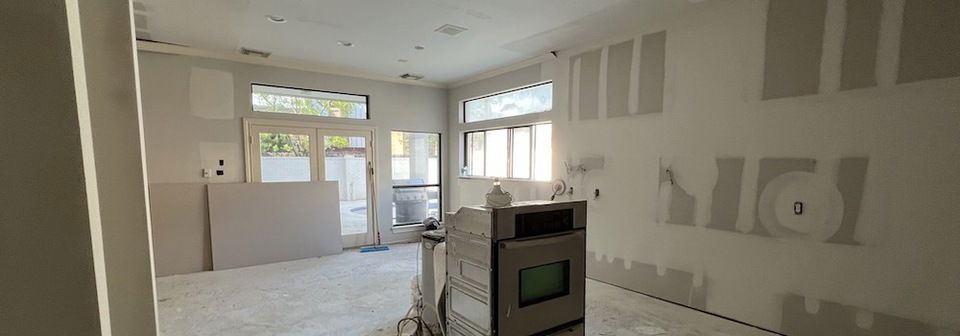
[(250, 124)]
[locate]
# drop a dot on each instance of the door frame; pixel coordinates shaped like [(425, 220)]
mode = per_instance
[(249, 124)]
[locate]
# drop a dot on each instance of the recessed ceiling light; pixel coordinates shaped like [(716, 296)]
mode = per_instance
[(276, 18), (343, 43), (419, 47)]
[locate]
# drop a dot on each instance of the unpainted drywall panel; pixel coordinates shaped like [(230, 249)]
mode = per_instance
[(861, 39), (589, 86), (619, 61), (260, 223), (770, 169), (794, 46), (653, 57), (673, 285), (725, 205), (211, 93), (181, 228), (831, 318), (851, 180), (930, 40)]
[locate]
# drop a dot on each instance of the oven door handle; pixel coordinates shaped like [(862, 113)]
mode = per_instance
[(519, 244)]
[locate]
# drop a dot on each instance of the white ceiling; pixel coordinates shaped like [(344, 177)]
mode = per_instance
[(501, 32)]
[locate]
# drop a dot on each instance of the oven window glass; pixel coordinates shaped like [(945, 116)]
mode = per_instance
[(544, 282)]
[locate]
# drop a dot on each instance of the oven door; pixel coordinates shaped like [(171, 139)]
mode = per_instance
[(540, 283)]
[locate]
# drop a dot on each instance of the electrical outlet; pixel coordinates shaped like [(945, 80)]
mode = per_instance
[(798, 208), (206, 172)]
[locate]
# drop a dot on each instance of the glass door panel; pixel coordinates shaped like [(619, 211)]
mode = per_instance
[(346, 161), (283, 155)]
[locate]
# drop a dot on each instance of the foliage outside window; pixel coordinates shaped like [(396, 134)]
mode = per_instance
[(522, 152), (273, 99), (415, 170), (532, 99)]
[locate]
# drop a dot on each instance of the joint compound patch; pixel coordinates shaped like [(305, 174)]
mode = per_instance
[(833, 318), (674, 285)]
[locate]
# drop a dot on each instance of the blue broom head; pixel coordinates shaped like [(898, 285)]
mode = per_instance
[(374, 248)]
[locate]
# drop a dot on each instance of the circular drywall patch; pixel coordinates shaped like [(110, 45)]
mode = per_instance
[(822, 206)]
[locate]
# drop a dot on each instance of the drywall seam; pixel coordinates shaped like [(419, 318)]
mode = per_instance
[(89, 165), (831, 59), (888, 45), (589, 85), (619, 70)]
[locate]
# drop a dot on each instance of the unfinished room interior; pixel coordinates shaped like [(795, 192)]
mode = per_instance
[(480, 168)]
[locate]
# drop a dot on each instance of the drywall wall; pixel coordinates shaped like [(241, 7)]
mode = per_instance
[(181, 228), (193, 109), (46, 254), (260, 223), (888, 149), (111, 78)]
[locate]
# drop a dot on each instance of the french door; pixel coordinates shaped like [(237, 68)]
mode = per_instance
[(303, 154)]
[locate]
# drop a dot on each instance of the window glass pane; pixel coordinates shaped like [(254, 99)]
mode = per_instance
[(345, 161), (284, 157), (521, 152), (543, 152), (475, 159), (496, 160), (308, 102), (415, 158), (508, 104), (413, 205)]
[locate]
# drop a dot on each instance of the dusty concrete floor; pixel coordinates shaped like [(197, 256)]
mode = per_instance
[(365, 294)]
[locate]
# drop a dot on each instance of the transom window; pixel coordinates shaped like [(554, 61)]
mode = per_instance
[(526, 100), (522, 152), (276, 99)]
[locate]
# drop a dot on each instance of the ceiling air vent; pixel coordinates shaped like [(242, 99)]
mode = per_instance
[(411, 76), (450, 29), (254, 52)]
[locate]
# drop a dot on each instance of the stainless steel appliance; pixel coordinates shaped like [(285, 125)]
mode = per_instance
[(517, 270)]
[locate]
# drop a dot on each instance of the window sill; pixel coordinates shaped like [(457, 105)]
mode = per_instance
[(502, 179), (407, 228)]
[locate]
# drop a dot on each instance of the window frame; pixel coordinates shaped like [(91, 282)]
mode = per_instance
[(466, 155), (438, 185), (463, 104), (253, 109)]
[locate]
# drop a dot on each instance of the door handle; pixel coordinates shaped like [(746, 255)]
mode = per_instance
[(516, 244)]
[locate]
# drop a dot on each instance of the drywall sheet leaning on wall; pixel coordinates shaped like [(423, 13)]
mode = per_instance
[(653, 62), (794, 46), (259, 223), (672, 285), (818, 318), (619, 61), (862, 35), (930, 40), (181, 229)]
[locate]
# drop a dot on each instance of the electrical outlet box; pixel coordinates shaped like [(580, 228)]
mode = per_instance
[(206, 172)]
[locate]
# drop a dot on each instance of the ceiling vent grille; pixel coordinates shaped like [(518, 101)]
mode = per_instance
[(450, 29), (254, 52), (411, 76)]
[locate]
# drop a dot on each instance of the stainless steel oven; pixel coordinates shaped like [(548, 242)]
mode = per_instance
[(517, 270)]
